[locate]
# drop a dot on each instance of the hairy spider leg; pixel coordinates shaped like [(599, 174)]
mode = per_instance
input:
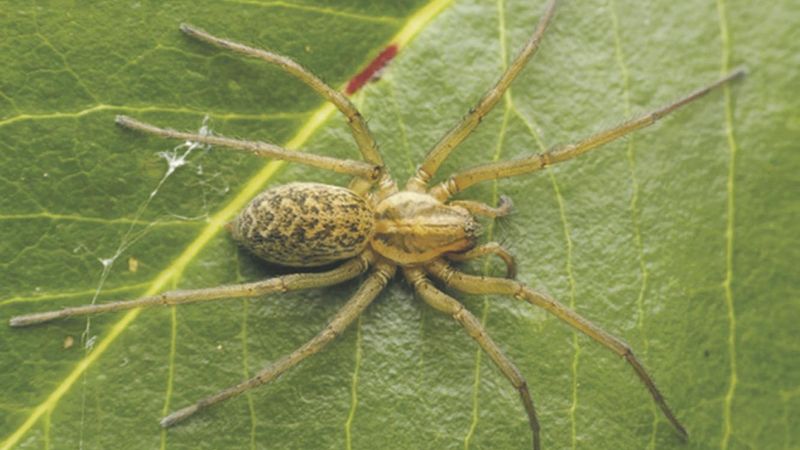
[(452, 307), (464, 128), (504, 169), (473, 284), (482, 209), (358, 126), (361, 169), (292, 282), (372, 286), (490, 248)]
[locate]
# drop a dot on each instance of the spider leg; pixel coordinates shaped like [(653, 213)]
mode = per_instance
[(457, 134), (482, 209), (358, 126), (488, 285), (504, 169), (350, 269), (448, 305), (372, 286), (361, 169), (490, 248)]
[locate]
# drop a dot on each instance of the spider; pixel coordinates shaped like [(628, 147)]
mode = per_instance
[(374, 227)]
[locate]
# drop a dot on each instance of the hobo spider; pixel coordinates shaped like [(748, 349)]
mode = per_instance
[(373, 226)]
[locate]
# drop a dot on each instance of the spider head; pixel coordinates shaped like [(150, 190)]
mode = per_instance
[(413, 228)]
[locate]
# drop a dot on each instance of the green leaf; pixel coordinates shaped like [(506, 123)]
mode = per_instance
[(680, 239)]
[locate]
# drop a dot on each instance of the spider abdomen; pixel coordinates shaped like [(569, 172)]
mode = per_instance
[(305, 224)]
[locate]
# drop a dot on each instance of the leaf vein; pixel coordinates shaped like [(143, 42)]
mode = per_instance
[(729, 228), (348, 425), (216, 222), (319, 10), (62, 57), (634, 202), (45, 215), (173, 340), (507, 104), (246, 359), (59, 295), (147, 109), (568, 268)]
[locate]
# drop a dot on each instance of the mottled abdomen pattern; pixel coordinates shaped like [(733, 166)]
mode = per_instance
[(305, 224)]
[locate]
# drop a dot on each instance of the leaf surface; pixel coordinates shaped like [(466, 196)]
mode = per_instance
[(679, 239)]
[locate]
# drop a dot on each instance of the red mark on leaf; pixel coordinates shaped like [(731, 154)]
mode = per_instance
[(372, 70)]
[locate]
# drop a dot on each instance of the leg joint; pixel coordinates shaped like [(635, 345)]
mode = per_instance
[(365, 259), (520, 290), (377, 172), (445, 273), (383, 274), (420, 180), (282, 287), (627, 351), (546, 159), (473, 327), (444, 190)]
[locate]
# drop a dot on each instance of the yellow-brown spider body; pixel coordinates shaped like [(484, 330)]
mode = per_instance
[(373, 227), (305, 224), (414, 228), (313, 224)]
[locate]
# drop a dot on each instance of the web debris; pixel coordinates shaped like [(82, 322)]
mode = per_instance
[(175, 158)]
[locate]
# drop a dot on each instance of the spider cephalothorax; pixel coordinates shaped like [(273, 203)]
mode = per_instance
[(414, 228), (374, 226)]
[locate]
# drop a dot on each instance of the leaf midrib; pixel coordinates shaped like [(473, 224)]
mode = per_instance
[(413, 25)]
